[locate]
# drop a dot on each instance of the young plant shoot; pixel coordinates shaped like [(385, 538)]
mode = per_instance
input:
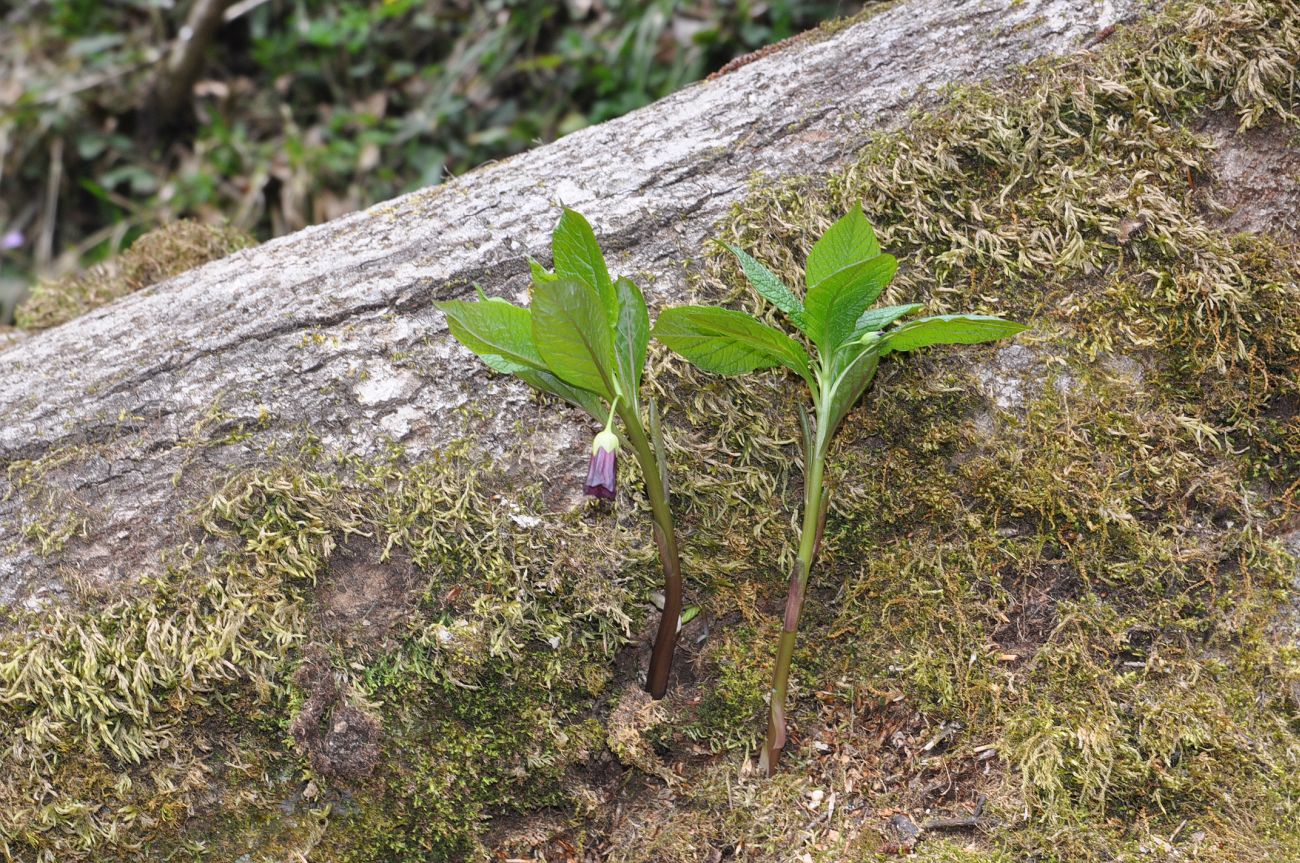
[(584, 339), (844, 275)]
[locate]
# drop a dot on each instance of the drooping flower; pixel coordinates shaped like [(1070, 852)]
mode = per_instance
[(602, 471)]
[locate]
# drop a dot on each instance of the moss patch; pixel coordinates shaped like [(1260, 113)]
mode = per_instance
[(188, 717), (160, 254)]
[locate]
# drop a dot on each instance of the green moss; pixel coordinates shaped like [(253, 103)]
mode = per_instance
[(1065, 605), (160, 254), (459, 755), (108, 705), (732, 706)]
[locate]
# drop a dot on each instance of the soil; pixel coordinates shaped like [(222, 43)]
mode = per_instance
[(340, 739), (362, 599)]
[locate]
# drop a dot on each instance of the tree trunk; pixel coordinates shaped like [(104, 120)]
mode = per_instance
[(176, 76)]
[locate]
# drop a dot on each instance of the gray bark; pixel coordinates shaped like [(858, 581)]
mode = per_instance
[(332, 330)]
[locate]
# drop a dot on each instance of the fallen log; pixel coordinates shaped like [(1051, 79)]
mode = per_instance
[(268, 335)]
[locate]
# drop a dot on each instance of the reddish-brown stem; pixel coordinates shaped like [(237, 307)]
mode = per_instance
[(816, 500), (661, 659)]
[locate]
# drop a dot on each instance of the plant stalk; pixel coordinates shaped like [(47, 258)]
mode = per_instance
[(814, 523), (661, 659)]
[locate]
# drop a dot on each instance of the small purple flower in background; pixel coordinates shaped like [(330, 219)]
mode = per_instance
[(12, 240), (602, 473)]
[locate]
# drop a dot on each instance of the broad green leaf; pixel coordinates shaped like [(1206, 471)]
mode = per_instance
[(577, 255), (573, 335), (834, 304), (501, 365), (501, 334), (728, 342), (770, 287), (850, 383), (873, 320), (631, 335), (848, 242), (540, 273), (496, 329), (549, 383), (948, 330)]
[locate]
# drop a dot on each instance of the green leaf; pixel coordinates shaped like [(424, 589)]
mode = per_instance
[(573, 335), (948, 330), (631, 335), (770, 287), (501, 365), (847, 243), (549, 383), (577, 255), (850, 383), (728, 342), (834, 304), (874, 320), (540, 273), (499, 332)]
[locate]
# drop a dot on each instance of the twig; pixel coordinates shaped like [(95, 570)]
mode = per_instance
[(45, 240), (242, 8), (1101, 36), (176, 78)]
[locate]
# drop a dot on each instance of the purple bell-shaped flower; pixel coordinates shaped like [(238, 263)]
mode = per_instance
[(602, 472)]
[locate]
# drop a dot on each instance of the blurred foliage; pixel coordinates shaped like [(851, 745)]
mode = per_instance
[(307, 109)]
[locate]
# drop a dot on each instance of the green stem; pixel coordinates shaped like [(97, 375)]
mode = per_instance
[(814, 522), (661, 659)]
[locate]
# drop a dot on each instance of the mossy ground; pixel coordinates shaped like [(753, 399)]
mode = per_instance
[(1065, 606), (1051, 576)]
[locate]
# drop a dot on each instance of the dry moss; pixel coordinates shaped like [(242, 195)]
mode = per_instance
[(160, 254)]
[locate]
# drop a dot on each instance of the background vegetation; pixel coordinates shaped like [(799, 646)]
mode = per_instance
[(303, 109)]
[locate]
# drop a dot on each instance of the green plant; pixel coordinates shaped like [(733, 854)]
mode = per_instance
[(844, 274), (584, 339)]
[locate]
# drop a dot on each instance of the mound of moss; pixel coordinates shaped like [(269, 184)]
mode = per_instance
[(160, 254)]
